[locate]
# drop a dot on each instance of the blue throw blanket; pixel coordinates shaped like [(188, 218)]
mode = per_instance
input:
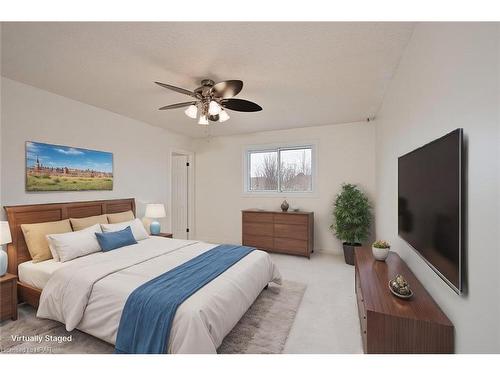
[(150, 309)]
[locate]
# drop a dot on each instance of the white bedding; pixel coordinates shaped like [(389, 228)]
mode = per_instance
[(90, 292), (37, 274)]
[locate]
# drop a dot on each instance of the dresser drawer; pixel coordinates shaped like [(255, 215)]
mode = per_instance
[(362, 317), (259, 217), (361, 311), (260, 242), (258, 229), (299, 219), (290, 246), (292, 231)]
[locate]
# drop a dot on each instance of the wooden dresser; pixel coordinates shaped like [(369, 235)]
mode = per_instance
[(393, 325), (280, 232)]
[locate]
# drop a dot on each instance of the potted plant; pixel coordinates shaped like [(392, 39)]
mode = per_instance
[(380, 250), (351, 219)]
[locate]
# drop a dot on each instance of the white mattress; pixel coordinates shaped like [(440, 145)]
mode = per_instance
[(38, 274)]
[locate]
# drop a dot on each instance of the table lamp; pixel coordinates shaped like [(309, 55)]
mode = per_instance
[(5, 238), (155, 211)]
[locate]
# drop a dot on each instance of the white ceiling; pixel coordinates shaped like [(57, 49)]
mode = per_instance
[(302, 74)]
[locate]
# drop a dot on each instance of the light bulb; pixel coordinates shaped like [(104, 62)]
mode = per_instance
[(214, 108), (203, 120), (223, 116), (191, 111)]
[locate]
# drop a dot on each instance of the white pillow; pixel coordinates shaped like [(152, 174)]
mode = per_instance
[(71, 245), (135, 225)]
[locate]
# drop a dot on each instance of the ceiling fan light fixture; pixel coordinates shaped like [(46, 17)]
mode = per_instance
[(191, 111), (214, 108), (223, 116), (203, 120), (210, 100)]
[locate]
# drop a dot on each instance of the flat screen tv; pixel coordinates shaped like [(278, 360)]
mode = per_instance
[(431, 205)]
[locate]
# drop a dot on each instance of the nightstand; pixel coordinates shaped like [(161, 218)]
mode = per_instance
[(8, 297), (166, 235)]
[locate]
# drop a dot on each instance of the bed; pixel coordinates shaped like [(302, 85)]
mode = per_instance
[(36, 275), (89, 293)]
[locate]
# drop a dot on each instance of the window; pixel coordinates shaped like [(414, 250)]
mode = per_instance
[(282, 169)]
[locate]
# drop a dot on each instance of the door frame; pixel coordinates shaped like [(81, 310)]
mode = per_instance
[(190, 196)]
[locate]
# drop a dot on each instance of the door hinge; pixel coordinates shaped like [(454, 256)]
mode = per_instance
[(187, 164), (187, 230)]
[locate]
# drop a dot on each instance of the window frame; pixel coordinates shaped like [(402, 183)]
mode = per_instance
[(278, 148)]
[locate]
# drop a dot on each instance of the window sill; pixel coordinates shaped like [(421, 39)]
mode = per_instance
[(283, 195)]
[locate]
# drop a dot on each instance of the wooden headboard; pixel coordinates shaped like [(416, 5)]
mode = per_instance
[(17, 251)]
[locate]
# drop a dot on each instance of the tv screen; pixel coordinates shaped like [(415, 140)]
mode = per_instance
[(430, 184)]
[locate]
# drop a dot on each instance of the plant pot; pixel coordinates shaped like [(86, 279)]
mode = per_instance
[(349, 252), (380, 254)]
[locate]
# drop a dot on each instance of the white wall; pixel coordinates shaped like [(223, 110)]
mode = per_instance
[(448, 78), (1, 121), (345, 153), (141, 153)]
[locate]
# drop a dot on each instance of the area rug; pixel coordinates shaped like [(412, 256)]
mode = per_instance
[(263, 329)]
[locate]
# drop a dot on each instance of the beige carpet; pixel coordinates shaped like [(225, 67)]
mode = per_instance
[(263, 329)]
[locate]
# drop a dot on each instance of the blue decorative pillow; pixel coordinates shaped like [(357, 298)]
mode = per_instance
[(114, 240)]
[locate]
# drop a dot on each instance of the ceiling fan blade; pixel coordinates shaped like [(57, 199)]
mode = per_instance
[(241, 105), (178, 105), (176, 89), (227, 89)]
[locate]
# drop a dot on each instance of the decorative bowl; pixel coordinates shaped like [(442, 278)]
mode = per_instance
[(403, 296)]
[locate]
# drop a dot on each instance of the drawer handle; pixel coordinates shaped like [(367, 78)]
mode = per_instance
[(364, 317), (364, 332)]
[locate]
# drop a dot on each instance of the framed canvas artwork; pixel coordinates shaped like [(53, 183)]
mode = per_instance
[(62, 168)]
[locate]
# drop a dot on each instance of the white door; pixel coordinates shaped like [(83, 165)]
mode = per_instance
[(180, 196)]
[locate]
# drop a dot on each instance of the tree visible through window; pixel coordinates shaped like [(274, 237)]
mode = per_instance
[(294, 173)]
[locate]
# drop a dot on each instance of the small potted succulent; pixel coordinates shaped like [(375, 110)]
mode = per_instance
[(380, 250)]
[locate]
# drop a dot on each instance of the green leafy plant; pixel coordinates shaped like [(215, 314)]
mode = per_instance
[(381, 244), (351, 215)]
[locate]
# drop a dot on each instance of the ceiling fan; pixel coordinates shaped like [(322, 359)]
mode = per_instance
[(211, 100)]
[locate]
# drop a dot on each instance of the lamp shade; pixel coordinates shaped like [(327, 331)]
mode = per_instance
[(214, 108), (155, 210), (5, 236), (223, 116), (203, 120), (191, 111)]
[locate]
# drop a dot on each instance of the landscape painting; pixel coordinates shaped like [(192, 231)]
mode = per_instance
[(61, 168)]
